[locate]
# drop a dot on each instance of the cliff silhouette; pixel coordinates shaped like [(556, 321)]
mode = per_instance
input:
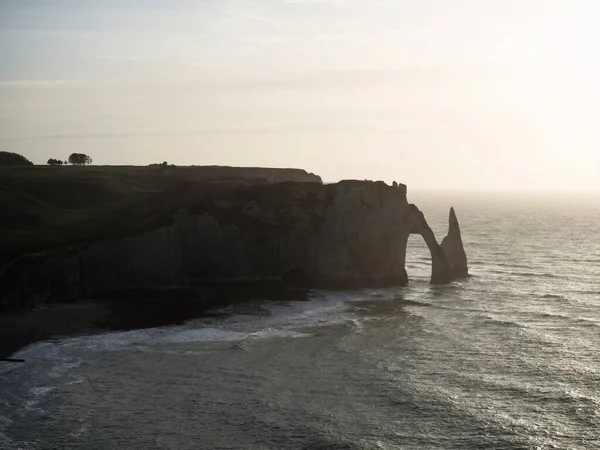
[(96, 231)]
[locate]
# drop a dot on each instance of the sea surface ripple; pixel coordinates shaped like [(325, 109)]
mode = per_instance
[(505, 360)]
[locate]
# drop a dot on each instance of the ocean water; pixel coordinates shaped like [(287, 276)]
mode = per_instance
[(509, 359)]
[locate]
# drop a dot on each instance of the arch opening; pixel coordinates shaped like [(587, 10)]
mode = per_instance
[(440, 270), (438, 263), (418, 259)]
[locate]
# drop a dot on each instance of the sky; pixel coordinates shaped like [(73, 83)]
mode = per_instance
[(436, 94)]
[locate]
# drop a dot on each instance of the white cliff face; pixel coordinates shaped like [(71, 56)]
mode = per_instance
[(364, 235), (353, 233)]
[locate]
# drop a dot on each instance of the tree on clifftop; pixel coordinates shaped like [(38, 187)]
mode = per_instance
[(55, 162), (13, 159), (79, 159)]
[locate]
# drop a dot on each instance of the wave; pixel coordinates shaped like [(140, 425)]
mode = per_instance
[(571, 396), (503, 323), (38, 350), (509, 265), (37, 395), (355, 326), (584, 260), (554, 315), (415, 303), (141, 339), (64, 367), (587, 322), (554, 296), (179, 335), (273, 320), (525, 274), (585, 292), (541, 393), (5, 441), (578, 320), (481, 263)]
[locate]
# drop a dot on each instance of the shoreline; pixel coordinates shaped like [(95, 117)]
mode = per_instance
[(18, 329)]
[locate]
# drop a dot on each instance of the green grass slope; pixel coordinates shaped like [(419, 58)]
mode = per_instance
[(43, 207)]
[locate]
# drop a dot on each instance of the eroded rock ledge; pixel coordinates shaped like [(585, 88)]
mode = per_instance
[(352, 233)]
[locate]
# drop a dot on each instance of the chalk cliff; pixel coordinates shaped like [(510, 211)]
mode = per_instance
[(353, 233)]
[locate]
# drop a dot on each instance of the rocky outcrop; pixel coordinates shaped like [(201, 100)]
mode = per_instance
[(353, 233), (454, 250)]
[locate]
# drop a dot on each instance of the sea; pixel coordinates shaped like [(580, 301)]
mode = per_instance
[(508, 359)]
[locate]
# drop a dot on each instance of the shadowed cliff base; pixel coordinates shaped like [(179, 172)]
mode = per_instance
[(224, 231), (132, 311)]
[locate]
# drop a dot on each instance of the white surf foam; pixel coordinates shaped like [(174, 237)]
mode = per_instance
[(282, 321), (37, 394)]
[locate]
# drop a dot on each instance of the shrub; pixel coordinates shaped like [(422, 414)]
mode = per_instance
[(13, 159), (80, 159)]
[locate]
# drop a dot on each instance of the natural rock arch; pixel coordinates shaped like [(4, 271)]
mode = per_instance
[(440, 269)]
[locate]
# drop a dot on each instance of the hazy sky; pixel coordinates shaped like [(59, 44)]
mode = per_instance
[(456, 94)]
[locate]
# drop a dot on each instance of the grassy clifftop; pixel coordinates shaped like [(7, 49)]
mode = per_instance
[(44, 207)]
